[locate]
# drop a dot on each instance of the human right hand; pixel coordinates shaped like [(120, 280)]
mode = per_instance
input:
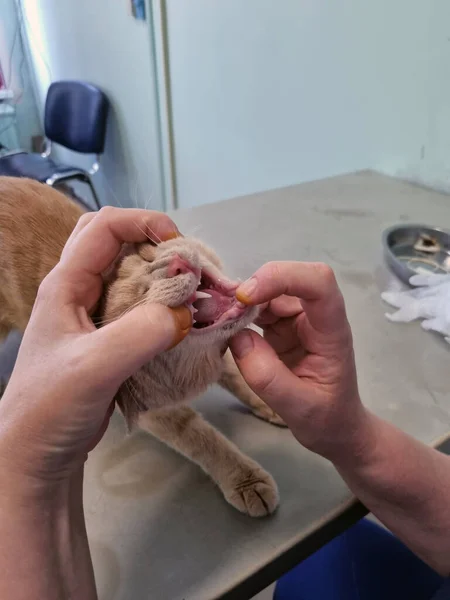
[(304, 369), (304, 365)]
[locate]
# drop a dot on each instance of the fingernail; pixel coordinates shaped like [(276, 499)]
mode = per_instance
[(173, 235), (245, 290), (183, 317), (242, 344)]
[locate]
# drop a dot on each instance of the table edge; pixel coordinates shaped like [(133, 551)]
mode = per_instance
[(335, 523)]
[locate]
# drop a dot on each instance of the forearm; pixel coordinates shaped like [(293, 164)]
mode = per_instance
[(44, 551), (406, 485)]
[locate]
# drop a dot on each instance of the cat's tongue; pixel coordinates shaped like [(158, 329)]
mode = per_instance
[(210, 309)]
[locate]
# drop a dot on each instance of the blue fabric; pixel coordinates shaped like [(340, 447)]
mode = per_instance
[(75, 116), (35, 166), (444, 592), (364, 563)]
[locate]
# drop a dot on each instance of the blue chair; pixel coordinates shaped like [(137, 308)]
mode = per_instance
[(75, 117)]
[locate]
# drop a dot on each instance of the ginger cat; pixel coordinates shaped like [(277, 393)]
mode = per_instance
[(35, 222)]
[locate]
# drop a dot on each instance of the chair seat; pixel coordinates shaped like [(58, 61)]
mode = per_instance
[(34, 166)]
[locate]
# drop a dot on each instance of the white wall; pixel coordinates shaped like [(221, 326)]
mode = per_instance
[(15, 70), (99, 41), (267, 94), (429, 163), (263, 94)]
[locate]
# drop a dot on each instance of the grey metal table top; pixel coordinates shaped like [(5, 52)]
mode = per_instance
[(158, 527)]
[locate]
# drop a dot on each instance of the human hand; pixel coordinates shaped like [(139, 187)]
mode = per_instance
[(304, 366), (58, 402)]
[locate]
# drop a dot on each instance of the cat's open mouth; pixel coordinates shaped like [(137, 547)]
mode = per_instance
[(214, 303)]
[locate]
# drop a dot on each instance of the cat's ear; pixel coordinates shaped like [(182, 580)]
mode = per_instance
[(147, 251)]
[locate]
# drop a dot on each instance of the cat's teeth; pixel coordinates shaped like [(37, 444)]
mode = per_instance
[(199, 295), (193, 310)]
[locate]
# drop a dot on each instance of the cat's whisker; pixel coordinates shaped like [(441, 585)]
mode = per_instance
[(152, 231), (113, 194), (148, 203), (155, 241), (113, 319), (193, 232), (135, 189), (104, 322), (132, 391), (170, 379)]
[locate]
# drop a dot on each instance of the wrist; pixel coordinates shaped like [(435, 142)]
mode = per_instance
[(358, 446), (47, 554), (31, 462), (30, 492)]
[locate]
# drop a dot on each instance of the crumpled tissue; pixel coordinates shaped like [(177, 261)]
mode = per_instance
[(430, 301)]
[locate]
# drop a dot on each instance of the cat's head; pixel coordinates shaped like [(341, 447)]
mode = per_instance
[(182, 271)]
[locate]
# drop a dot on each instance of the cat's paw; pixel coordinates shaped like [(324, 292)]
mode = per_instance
[(256, 496), (265, 413)]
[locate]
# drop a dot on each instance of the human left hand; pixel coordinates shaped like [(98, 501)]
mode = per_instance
[(57, 404)]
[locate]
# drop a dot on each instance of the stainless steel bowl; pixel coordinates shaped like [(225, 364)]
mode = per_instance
[(405, 260)]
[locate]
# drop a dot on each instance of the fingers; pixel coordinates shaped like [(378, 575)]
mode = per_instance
[(124, 346), (314, 283), (279, 308), (163, 228), (98, 237), (264, 372), (82, 222)]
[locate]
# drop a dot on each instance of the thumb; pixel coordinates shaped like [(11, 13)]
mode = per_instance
[(125, 345), (264, 372)]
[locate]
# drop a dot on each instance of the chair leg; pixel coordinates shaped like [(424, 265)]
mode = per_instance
[(84, 178), (93, 192)]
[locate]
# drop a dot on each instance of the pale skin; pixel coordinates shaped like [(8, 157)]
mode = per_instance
[(304, 369), (58, 403)]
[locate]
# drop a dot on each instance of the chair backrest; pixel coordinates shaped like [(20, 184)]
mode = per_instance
[(75, 116)]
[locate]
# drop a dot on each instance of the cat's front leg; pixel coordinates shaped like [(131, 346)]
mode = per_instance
[(232, 380), (244, 483)]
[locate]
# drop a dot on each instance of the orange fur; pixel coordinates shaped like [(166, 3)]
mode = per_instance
[(35, 222)]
